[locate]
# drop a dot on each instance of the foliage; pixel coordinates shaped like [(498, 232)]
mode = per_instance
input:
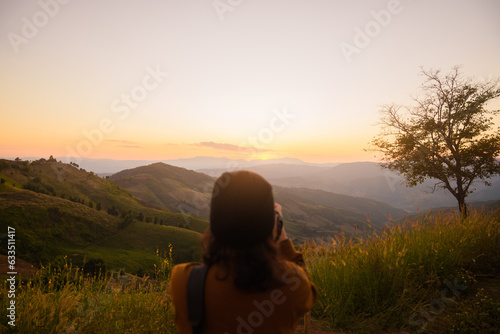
[(62, 299), (113, 211), (448, 135), (373, 283), (479, 316)]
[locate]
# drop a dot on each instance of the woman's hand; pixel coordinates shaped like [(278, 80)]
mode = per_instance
[(283, 236)]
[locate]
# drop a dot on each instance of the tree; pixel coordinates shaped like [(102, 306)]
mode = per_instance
[(127, 220), (448, 135), (113, 211)]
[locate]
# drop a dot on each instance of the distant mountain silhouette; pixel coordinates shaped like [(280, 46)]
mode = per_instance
[(272, 171), (110, 166)]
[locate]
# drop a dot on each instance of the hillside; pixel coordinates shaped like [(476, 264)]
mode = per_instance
[(58, 209), (173, 188), (66, 181), (343, 210), (46, 226), (135, 248)]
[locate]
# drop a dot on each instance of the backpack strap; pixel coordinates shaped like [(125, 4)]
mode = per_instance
[(196, 297)]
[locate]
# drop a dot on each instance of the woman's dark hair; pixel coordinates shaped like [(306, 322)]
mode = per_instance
[(254, 269), (239, 238)]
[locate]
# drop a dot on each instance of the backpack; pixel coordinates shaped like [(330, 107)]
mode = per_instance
[(196, 297)]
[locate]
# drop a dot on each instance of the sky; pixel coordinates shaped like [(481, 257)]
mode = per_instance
[(243, 79)]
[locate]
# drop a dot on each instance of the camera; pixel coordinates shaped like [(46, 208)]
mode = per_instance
[(279, 226)]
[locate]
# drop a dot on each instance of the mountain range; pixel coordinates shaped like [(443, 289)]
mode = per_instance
[(367, 180)]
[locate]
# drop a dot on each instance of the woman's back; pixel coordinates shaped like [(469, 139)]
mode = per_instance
[(230, 310)]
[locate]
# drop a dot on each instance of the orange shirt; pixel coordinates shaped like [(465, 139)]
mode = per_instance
[(232, 311)]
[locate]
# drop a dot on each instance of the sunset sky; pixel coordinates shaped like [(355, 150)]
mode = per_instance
[(249, 79)]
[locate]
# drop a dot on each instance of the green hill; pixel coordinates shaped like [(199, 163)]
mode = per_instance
[(58, 209), (173, 188)]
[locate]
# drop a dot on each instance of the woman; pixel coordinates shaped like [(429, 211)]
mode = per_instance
[(256, 281)]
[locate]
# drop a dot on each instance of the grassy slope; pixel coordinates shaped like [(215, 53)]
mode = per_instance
[(136, 248), (48, 226), (70, 182), (168, 187)]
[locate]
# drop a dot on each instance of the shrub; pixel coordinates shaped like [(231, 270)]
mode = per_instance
[(94, 267)]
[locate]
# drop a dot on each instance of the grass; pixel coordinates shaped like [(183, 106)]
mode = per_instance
[(389, 281), (50, 226), (62, 299), (398, 280), (136, 246)]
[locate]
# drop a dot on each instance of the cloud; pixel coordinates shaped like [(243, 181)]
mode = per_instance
[(124, 143), (230, 147)]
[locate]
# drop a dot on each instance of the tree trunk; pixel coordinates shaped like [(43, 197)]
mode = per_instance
[(461, 194), (462, 206)]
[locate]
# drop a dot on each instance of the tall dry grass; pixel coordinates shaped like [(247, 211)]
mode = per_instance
[(61, 299), (365, 283), (368, 283)]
